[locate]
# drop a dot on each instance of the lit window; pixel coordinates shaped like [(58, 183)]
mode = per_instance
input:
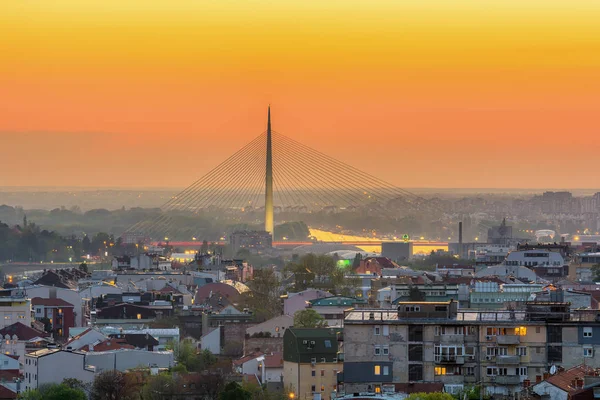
[(322, 388), (377, 370), (377, 389), (440, 370), (139, 316), (521, 331)]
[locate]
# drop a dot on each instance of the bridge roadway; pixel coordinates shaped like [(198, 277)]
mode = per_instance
[(195, 244)]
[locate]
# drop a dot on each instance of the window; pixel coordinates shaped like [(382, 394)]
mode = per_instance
[(554, 354), (415, 333), (386, 330), (491, 371), (587, 331), (521, 351), (322, 388), (328, 344), (522, 371), (313, 388), (415, 352), (313, 373), (440, 370), (538, 329), (378, 330), (386, 350), (521, 331), (377, 370), (415, 372), (322, 372), (588, 351), (469, 371), (386, 370), (377, 350), (139, 316)]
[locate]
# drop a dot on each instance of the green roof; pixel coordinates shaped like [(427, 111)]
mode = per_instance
[(303, 345)]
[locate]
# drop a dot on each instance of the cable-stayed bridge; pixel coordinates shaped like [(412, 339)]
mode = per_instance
[(276, 177)]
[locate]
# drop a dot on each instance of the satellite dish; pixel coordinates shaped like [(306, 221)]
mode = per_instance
[(553, 370)]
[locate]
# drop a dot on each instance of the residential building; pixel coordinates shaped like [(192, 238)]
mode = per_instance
[(436, 342), (534, 258), (252, 240), (293, 302), (494, 295), (57, 315), (18, 339), (566, 384), (125, 315), (310, 362), (71, 296), (455, 270), (426, 292), (375, 265), (54, 365), (332, 308), (580, 268), (14, 307), (274, 326), (124, 359), (272, 368)]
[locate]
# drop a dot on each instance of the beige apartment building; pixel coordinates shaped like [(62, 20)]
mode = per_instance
[(505, 351)]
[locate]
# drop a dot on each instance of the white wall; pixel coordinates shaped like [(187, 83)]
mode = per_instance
[(68, 295), (127, 359), (212, 341), (55, 367), (547, 388)]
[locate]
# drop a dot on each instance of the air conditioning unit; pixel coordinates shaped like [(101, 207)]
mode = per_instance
[(305, 342), (489, 358), (488, 337), (312, 342)]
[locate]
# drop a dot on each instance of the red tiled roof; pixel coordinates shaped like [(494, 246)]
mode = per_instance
[(564, 380), (274, 360), (6, 393), (168, 289), (247, 358), (50, 302), (22, 331), (111, 344), (9, 374)]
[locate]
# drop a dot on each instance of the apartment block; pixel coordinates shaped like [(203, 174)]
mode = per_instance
[(505, 351)]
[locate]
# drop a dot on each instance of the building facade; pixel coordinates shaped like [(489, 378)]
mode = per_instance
[(505, 351)]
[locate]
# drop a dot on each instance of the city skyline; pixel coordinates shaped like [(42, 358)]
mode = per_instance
[(421, 95)]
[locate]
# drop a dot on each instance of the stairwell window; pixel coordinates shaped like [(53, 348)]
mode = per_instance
[(377, 330), (588, 351), (377, 370)]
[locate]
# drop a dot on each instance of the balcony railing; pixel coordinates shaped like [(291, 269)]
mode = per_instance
[(508, 360), (508, 339), (508, 380), (449, 359), (450, 338)]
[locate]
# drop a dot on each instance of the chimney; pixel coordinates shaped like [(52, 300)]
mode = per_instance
[(460, 240)]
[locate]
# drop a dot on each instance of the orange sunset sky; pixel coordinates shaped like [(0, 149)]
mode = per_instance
[(422, 93)]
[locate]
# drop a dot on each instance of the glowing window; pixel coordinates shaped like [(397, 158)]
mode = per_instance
[(139, 316), (521, 331), (440, 370), (377, 370)]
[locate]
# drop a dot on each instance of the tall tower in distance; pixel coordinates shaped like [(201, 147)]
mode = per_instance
[(269, 180)]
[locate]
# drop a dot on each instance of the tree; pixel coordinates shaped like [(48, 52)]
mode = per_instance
[(193, 361), (159, 387), (113, 385), (53, 392), (414, 294), (430, 396), (233, 391), (263, 297), (357, 260), (83, 267), (308, 318)]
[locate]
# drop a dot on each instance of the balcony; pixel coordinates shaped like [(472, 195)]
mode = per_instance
[(508, 360), (508, 339), (508, 380), (450, 339), (449, 359)]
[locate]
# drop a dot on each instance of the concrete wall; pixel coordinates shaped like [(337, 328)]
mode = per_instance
[(299, 378), (545, 388)]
